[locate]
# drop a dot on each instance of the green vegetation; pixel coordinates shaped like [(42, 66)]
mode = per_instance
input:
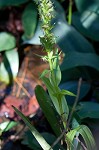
[(54, 105), (76, 32)]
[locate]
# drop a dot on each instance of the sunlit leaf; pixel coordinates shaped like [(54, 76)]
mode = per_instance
[(85, 132), (36, 134), (56, 69), (87, 23), (51, 89), (45, 72), (5, 126), (52, 92), (88, 137), (29, 20), (33, 144), (7, 41), (66, 92), (9, 66)]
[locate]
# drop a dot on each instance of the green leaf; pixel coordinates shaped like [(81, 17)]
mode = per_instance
[(48, 109), (45, 72), (50, 138), (70, 137), (29, 20), (9, 66), (36, 134), (88, 137), (75, 59), (69, 39), (7, 41), (33, 144), (5, 126), (65, 108), (57, 72), (72, 86), (75, 123), (66, 92), (88, 110), (56, 69), (87, 23), (52, 91), (83, 5), (6, 3), (85, 132), (59, 10), (71, 74), (30, 141)]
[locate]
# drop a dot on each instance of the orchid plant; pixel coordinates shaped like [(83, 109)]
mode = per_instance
[(54, 104)]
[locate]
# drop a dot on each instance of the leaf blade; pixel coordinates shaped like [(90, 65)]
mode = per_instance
[(7, 41), (48, 109), (75, 59), (35, 133), (29, 20), (9, 66)]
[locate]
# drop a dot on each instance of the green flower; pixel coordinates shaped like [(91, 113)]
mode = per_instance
[(46, 12)]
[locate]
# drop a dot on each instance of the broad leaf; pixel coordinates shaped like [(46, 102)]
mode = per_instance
[(88, 110), (5, 3), (9, 66), (71, 74), (69, 39), (87, 23), (36, 134), (35, 39), (92, 5), (48, 109), (29, 20), (7, 41), (75, 59)]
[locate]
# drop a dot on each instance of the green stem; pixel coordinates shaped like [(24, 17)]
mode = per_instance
[(70, 13), (50, 61)]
